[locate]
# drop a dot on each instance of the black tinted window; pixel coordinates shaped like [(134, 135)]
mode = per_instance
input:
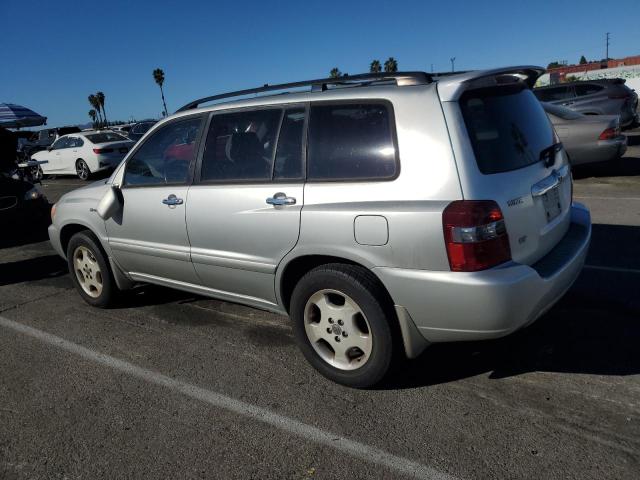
[(105, 137), (240, 145), (288, 162), (508, 128), (587, 89), (60, 143), (165, 156), (554, 94), (351, 141)]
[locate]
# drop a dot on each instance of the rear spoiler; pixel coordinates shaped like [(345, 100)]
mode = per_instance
[(451, 88)]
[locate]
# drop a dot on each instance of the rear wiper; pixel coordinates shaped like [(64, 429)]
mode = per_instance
[(549, 154)]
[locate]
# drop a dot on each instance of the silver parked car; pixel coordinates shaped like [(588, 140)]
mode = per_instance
[(381, 212), (587, 138), (608, 96)]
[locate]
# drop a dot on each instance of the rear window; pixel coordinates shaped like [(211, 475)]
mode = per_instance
[(587, 89), (351, 141), (554, 94), (105, 137), (507, 126)]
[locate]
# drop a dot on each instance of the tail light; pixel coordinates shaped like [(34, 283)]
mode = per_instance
[(102, 150), (609, 133), (475, 235)]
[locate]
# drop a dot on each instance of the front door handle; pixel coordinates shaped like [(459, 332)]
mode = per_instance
[(281, 198), (172, 200), (568, 103)]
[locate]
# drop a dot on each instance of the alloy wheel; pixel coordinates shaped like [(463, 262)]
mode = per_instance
[(87, 271), (338, 329)]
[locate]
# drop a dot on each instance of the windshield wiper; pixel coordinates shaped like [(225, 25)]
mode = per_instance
[(549, 154)]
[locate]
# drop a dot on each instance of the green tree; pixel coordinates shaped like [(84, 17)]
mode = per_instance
[(583, 60), (93, 100), (100, 98), (554, 65), (375, 66), (391, 65), (92, 114), (158, 76), (335, 72)]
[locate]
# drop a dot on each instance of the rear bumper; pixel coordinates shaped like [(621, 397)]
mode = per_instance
[(454, 306)]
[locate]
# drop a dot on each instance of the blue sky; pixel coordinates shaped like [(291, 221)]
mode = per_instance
[(55, 53)]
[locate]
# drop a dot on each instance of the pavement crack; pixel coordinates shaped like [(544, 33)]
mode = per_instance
[(33, 300)]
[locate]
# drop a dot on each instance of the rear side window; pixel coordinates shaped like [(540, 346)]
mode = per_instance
[(587, 89), (240, 146), (554, 94), (351, 141), (507, 126)]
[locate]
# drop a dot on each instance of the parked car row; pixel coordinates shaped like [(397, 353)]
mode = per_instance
[(381, 212)]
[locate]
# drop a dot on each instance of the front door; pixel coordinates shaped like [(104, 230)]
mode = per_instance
[(243, 212), (148, 236)]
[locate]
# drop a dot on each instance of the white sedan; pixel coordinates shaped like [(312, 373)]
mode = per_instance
[(84, 153)]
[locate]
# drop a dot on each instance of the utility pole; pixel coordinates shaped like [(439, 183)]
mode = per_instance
[(432, 68), (453, 62), (607, 57)]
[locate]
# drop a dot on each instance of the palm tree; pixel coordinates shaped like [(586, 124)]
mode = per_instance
[(92, 114), (93, 100), (100, 97), (335, 72), (158, 76), (391, 65), (375, 66)]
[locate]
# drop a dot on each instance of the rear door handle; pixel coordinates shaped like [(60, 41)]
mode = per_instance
[(172, 200), (568, 103), (281, 198)]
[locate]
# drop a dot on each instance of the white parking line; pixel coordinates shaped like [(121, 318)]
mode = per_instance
[(612, 269), (343, 445)]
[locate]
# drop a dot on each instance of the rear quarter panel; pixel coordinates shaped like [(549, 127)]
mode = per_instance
[(412, 203)]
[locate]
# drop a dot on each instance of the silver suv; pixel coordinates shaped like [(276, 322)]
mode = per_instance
[(381, 212)]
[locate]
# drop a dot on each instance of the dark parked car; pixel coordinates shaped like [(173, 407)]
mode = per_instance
[(21, 203), (594, 97), (139, 129), (587, 138)]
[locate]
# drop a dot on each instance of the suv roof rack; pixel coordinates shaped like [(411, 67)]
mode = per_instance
[(400, 78)]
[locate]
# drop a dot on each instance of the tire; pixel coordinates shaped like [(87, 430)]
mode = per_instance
[(82, 170), (90, 271), (353, 349)]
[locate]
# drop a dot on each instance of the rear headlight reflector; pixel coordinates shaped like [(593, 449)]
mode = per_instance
[(609, 133), (102, 150)]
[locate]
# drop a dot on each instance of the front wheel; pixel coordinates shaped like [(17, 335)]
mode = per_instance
[(90, 270), (341, 322), (82, 170)]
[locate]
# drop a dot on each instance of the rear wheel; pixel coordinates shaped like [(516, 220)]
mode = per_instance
[(82, 170), (90, 270), (340, 318)]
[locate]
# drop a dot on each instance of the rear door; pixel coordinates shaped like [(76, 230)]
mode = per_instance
[(513, 161), (243, 212)]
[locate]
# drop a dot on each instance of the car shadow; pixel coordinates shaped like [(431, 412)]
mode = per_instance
[(32, 269), (25, 232), (594, 329), (627, 166)]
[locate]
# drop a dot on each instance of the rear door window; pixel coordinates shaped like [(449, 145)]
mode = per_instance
[(240, 146), (351, 141), (587, 89), (555, 94), (290, 150), (507, 126)]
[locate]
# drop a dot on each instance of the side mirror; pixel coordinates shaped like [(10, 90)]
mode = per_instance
[(110, 203)]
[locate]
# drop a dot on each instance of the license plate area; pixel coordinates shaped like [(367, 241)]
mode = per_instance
[(551, 202)]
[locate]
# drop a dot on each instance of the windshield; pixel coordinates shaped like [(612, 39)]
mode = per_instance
[(507, 126), (562, 112), (105, 137)]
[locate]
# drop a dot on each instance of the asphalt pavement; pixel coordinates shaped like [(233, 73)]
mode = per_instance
[(172, 385)]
